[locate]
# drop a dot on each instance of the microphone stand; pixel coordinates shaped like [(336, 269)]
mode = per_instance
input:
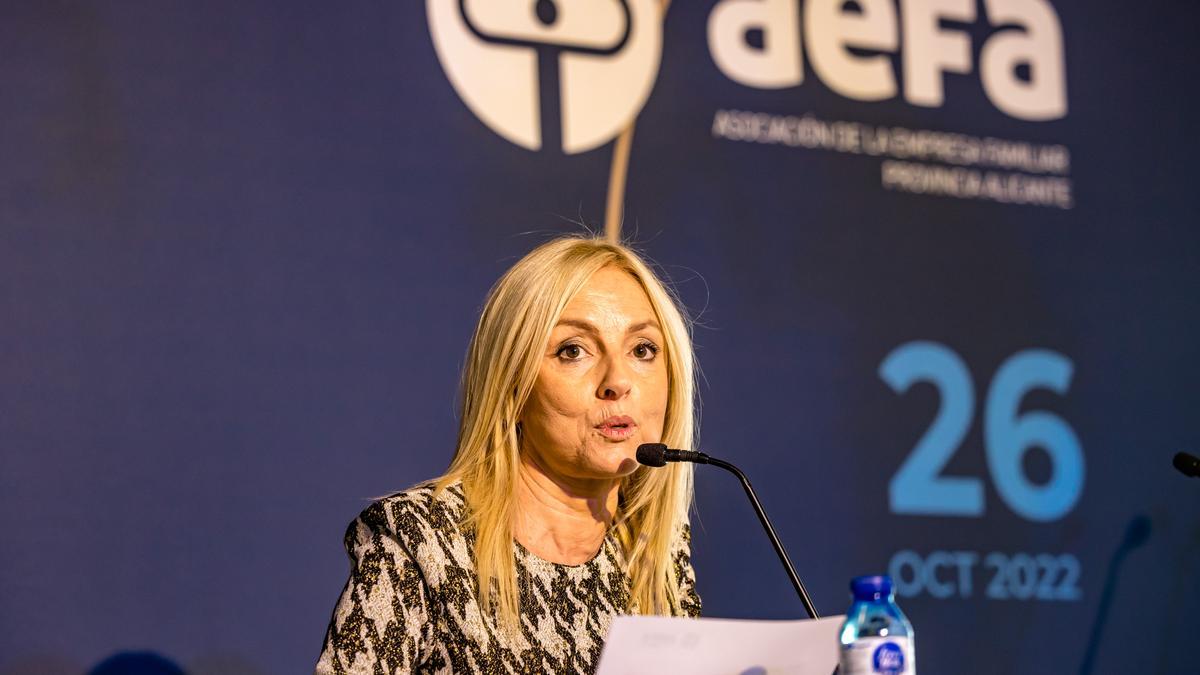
[(766, 523)]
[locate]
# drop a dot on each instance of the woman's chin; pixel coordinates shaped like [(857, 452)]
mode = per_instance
[(616, 461), (627, 466)]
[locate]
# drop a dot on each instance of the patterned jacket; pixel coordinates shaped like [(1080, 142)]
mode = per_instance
[(410, 605)]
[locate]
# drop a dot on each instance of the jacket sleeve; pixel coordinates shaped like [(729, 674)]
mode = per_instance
[(381, 623), (689, 600)]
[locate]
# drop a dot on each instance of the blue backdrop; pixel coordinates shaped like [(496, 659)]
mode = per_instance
[(948, 325)]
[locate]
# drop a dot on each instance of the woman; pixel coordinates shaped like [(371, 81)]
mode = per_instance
[(580, 355)]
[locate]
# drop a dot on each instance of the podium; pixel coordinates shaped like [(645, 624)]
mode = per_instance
[(644, 645)]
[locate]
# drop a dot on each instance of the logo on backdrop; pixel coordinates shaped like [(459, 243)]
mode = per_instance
[(1021, 64), (550, 73), (881, 50)]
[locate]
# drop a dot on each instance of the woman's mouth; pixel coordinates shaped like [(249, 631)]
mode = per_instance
[(617, 428)]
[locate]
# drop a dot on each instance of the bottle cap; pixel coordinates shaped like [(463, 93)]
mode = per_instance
[(870, 588)]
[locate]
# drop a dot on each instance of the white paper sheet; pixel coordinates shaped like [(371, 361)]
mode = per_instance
[(642, 645)]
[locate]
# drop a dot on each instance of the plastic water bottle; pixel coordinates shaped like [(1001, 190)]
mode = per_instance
[(877, 638)]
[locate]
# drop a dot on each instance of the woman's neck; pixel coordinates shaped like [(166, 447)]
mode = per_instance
[(562, 520)]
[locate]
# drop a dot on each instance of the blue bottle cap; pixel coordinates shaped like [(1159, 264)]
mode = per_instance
[(871, 588)]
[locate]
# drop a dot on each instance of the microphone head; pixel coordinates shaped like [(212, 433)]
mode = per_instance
[(1188, 465), (652, 454)]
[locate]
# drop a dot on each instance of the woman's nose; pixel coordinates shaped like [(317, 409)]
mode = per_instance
[(615, 384)]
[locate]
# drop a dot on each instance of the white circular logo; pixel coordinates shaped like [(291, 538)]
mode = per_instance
[(597, 60)]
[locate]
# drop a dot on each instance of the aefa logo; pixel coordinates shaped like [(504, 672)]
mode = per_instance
[(569, 73)]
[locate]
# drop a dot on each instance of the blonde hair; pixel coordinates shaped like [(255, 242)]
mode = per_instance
[(501, 367)]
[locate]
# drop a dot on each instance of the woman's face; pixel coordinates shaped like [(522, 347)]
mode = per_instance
[(602, 387)]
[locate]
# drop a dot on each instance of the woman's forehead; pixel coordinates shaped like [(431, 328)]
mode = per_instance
[(610, 296)]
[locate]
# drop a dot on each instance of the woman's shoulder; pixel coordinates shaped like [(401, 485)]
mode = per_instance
[(414, 516), (426, 498)]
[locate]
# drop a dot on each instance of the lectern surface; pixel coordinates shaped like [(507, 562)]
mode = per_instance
[(638, 645)]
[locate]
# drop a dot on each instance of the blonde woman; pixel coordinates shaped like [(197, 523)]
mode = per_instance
[(544, 527)]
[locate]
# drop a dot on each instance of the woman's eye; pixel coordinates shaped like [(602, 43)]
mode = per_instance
[(569, 352), (645, 350)]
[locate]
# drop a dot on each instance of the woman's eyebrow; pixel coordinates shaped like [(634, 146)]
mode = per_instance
[(649, 323), (578, 323)]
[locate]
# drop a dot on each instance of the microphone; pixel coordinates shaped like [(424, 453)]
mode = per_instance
[(1188, 465), (658, 454)]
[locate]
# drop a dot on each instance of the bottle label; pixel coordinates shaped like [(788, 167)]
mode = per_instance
[(879, 656)]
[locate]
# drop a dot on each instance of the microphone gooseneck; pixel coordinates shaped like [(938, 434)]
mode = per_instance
[(658, 454), (1188, 465)]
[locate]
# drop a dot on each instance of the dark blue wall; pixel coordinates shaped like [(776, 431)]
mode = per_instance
[(243, 245)]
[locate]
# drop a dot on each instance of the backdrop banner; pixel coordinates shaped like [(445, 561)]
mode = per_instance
[(942, 257)]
